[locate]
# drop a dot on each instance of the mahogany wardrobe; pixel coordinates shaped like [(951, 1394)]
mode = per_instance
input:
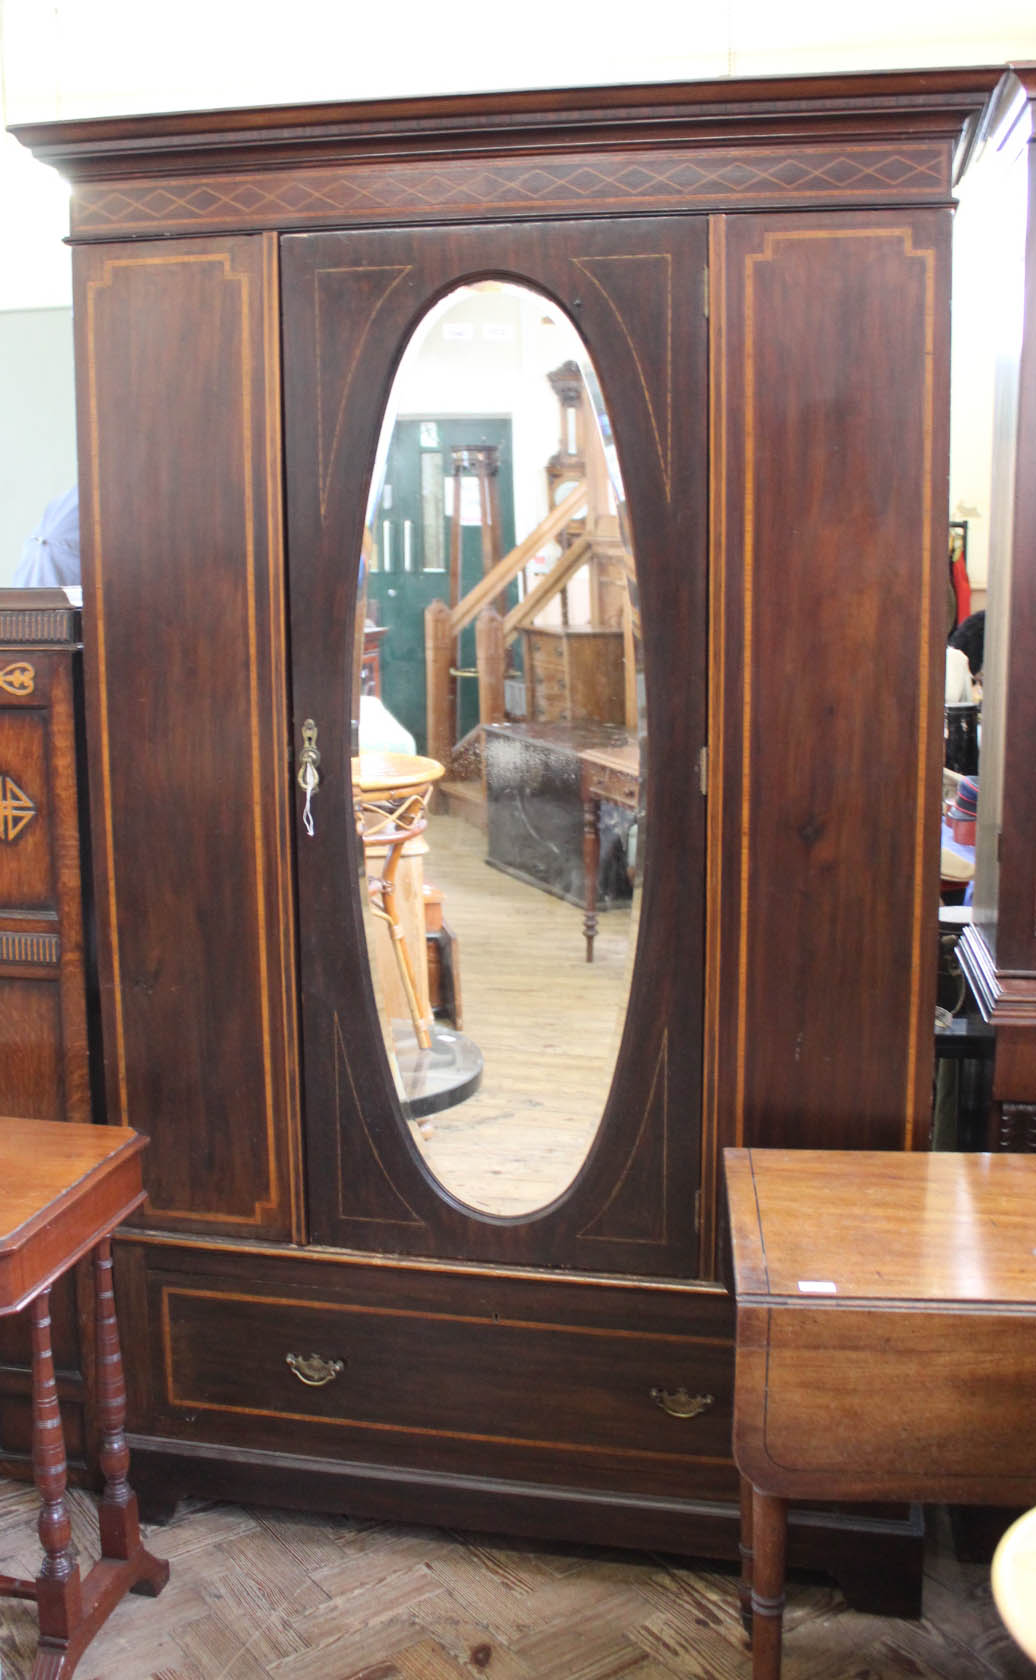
[(760, 272)]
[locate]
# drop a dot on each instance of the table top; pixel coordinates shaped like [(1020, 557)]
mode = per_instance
[(381, 772), (623, 756), (861, 1226), (886, 1324), (62, 1187), (1014, 1581)]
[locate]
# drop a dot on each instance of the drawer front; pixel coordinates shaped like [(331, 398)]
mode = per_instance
[(454, 1383)]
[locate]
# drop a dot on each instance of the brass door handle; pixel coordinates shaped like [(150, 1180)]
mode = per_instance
[(679, 1404), (312, 1370)]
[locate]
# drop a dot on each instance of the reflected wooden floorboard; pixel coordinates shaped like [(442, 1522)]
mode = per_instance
[(545, 1020), (272, 1595)]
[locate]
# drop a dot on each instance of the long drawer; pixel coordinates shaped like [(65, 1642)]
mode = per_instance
[(582, 1382)]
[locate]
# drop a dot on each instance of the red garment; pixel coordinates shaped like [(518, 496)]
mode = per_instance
[(961, 586)]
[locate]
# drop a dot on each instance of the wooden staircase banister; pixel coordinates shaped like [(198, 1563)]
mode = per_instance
[(559, 574), (501, 574)]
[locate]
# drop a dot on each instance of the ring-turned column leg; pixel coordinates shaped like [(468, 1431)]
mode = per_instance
[(770, 1545), (58, 1586), (117, 1511), (746, 1554), (591, 860)]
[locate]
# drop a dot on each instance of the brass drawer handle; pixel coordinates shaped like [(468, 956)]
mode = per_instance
[(313, 1370), (679, 1404)]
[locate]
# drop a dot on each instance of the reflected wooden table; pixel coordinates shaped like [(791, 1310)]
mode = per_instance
[(886, 1341), (390, 796), (611, 773), (63, 1190)]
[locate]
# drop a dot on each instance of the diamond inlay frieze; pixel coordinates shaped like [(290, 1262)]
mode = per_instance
[(616, 181)]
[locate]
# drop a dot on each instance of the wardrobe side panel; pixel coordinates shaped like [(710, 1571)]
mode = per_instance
[(829, 584), (183, 625), (1016, 922)]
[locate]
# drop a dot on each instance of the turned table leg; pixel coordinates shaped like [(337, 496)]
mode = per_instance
[(591, 860), (770, 1544), (117, 1511), (746, 1554), (58, 1586)]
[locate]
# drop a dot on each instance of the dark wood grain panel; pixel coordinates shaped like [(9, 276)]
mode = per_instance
[(30, 1050), (351, 302), (26, 821), (185, 633), (828, 680)]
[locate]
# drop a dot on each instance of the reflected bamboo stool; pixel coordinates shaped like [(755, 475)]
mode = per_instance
[(390, 794)]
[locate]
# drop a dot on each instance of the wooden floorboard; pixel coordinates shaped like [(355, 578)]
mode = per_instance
[(547, 1023), (269, 1595)]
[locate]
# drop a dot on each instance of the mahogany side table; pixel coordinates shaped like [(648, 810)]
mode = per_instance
[(886, 1340), (63, 1189)]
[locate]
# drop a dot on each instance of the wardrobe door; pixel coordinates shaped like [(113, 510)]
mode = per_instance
[(179, 482), (830, 440), (634, 290)]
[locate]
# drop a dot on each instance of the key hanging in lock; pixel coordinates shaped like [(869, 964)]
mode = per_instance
[(309, 774)]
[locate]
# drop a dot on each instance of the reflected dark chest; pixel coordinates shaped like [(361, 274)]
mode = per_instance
[(535, 810)]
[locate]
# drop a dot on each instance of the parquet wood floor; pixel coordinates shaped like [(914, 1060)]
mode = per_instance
[(266, 1595)]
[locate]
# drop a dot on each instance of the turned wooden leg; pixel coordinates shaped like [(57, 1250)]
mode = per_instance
[(746, 1555), (591, 860), (58, 1586), (117, 1511), (770, 1544)]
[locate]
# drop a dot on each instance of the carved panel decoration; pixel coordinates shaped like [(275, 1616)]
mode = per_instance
[(16, 808), (19, 678), (30, 948)]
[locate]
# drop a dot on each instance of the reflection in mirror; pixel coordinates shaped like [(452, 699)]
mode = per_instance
[(498, 783)]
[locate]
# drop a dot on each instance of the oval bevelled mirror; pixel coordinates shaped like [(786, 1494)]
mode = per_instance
[(498, 782)]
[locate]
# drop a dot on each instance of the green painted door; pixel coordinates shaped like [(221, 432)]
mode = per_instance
[(412, 532)]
